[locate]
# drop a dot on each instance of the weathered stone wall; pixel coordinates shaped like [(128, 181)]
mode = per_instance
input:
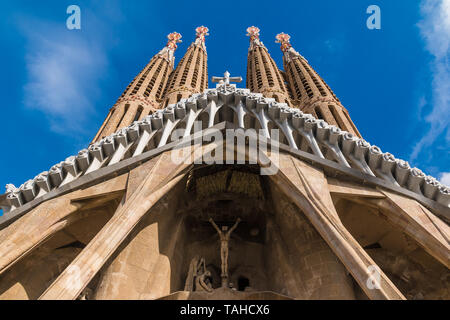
[(145, 264), (414, 272), (318, 272)]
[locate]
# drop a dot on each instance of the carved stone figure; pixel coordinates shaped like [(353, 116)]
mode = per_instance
[(203, 282), (203, 277), (199, 278), (224, 236)]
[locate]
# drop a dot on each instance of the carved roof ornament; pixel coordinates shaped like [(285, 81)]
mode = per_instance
[(200, 33), (168, 51), (226, 79), (224, 82), (286, 47), (253, 33)]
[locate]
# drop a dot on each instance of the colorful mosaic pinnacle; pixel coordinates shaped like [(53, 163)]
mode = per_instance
[(174, 38), (201, 32), (284, 39), (253, 33)]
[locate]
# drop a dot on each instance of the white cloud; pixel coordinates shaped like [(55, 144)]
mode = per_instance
[(445, 178), (435, 30), (64, 68)]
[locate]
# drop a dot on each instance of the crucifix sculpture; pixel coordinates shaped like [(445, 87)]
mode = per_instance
[(226, 79), (224, 236)]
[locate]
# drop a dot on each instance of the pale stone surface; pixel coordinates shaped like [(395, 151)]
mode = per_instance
[(415, 220), (291, 241), (345, 188), (320, 272), (48, 218), (70, 283), (164, 175), (312, 195), (417, 274), (142, 268), (35, 273)]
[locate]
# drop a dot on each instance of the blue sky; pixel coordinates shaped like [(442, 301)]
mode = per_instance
[(57, 85)]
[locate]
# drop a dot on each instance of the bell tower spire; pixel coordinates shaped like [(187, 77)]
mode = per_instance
[(309, 91), (191, 74), (263, 75), (143, 95)]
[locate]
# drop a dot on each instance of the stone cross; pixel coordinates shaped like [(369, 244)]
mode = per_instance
[(226, 78)]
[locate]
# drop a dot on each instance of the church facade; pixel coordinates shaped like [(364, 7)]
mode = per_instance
[(192, 192)]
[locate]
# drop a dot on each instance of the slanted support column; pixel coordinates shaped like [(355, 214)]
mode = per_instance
[(162, 178), (415, 220), (143, 268), (41, 223), (407, 215), (306, 186), (131, 271)]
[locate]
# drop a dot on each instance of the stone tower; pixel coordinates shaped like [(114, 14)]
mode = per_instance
[(263, 75), (226, 193), (191, 74), (310, 92), (143, 95)]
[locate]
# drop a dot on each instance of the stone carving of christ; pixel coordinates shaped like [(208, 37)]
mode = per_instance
[(224, 236)]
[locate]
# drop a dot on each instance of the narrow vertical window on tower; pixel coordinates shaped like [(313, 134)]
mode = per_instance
[(138, 113), (150, 86), (277, 74), (296, 93), (258, 72), (161, 84), (305, 83), (196, 69), (336, 117), (204, 80), (143, 76), (266, 67), (123, 115), (319, 113), (249, 73), (187, 67), (314, 79)]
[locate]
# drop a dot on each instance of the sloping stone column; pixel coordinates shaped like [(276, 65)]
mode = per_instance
[(41, 223), (307, 187)]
